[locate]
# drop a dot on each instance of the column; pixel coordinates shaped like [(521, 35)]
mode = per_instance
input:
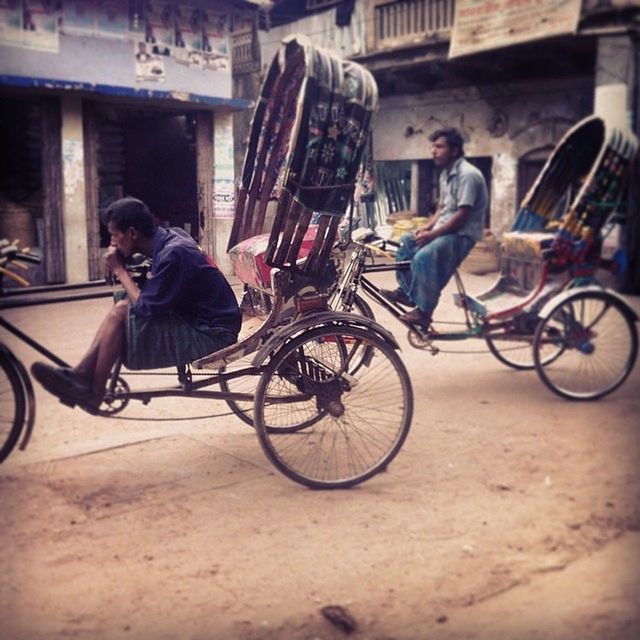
[(73, 193), (615, 79), (223, 188)]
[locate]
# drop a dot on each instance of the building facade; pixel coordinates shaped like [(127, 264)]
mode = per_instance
[(101, 99), (513, 76)]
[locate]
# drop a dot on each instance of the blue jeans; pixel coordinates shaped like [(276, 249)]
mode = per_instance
[(431, 267)]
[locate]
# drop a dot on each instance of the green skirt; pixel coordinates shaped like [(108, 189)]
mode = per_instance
[(170, 340)]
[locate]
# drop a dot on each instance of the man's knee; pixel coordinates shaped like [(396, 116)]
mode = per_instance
[(119, 310), (406, 248)]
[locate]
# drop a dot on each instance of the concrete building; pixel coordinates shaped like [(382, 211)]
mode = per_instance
[(512, 75), (101, 99)]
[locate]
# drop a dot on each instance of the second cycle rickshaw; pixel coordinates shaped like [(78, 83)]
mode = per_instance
[(547, 310)]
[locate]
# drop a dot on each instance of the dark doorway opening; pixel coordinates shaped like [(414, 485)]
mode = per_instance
[(150, 155)]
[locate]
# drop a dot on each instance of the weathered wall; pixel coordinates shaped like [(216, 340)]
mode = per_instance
[(321, 28), (108, 62), (616, 77), (501, 121), (73, 214)]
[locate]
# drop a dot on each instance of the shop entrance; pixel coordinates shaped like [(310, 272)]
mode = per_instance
[(144, 153)]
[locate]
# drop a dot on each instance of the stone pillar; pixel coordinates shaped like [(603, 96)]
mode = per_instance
[(504, 178), (223, 188), (73, 193), (615, 79)]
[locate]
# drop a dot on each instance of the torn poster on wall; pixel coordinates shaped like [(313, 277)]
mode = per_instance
[(30, 24), (161, 31), (215, 35), (149, 65)]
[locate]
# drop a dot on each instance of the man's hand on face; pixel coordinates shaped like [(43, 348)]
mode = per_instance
[(113, 262)]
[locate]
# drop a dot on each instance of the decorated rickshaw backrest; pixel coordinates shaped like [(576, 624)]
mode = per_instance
[(592, 161), (307, 138)]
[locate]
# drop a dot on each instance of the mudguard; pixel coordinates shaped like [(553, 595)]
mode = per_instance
[(320, 319), (568, 293)]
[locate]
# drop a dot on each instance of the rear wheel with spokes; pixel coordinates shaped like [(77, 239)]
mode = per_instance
[(244, 383), (597, 340), (331, 425)]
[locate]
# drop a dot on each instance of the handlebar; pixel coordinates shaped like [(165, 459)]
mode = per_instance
[(12, 255), (11, 252)]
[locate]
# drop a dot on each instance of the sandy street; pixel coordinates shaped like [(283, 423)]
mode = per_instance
[(510, 513)]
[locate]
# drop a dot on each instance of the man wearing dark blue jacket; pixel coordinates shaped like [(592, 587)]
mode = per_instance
[(185, 310)]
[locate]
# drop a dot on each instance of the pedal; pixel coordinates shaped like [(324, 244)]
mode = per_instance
[(419, 340)]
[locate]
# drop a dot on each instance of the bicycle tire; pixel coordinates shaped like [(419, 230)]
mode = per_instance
[(600, 345), (518, 354), (245, 384), (12, 404), (349, 437)]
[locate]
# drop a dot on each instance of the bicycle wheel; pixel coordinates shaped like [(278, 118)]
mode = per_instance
[(245, 383), (598, 344), (360, 307), (12, 404), (513, 351), (517, 351), (350, 424)]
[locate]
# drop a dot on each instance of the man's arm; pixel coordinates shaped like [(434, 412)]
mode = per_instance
[(457, 221)]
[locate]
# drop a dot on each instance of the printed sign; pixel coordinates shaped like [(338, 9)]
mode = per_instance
[(480, 25), (11, 22), (79, 17), (161, 30), (40, 24), (149, 65), (111, 18), (216, 39)]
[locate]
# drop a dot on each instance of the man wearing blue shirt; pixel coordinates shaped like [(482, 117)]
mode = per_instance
[(436, 249), (185, 310)]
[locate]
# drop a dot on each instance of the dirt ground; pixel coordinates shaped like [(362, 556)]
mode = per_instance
[(509, 513)]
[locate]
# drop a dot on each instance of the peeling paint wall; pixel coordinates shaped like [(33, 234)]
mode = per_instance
[(503, 122), (74, 215)]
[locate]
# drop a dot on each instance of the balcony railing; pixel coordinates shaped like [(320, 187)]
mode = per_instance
[(245, 53), (403, 21)]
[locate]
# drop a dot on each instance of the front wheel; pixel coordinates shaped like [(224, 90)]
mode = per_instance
[(340, 425), (12, 404), (595, 337)]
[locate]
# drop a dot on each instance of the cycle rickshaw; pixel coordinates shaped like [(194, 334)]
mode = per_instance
[(318, 375), (547, 309)]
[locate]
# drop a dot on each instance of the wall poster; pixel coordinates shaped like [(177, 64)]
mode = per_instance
[(188, 49), (79, 17), (149, 65), (111, 18), (160, 26), (216, 39), (40, 24), (11, 22)]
